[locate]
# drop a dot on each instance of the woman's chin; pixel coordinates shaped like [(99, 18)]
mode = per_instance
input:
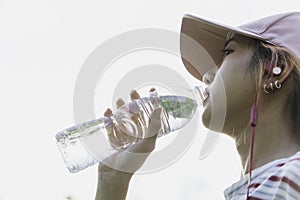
[(218, 125)]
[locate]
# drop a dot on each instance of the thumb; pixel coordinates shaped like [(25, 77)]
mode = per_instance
[(154, 122)]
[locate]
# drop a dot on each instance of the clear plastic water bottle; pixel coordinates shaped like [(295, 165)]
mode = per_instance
[(90, 142)]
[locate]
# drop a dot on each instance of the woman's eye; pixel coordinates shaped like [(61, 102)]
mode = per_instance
[(226, 52)]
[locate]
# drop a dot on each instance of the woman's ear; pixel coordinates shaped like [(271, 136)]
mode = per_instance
[(275, 74), (271, 70)]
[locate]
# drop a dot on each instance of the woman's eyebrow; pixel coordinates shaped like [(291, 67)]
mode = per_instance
[(227, 42)]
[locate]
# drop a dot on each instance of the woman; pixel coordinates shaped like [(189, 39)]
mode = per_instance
[(259, 70)]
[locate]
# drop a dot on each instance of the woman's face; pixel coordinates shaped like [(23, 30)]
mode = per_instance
[(231, 88)]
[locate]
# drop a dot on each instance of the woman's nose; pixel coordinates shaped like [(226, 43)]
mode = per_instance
[(209, 76)]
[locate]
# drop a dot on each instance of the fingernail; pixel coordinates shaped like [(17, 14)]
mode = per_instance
[(158, 109)]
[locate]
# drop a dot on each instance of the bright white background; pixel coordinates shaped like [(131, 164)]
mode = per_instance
[(43, 44)]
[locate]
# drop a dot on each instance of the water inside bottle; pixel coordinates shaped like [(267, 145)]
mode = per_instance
[(178, 110), (83, 145), (71, 147)]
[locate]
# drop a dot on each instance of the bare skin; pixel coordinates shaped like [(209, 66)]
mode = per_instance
[(115, 172), (274, 137)]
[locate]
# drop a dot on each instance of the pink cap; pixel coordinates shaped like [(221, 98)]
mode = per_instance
[(201, 41)]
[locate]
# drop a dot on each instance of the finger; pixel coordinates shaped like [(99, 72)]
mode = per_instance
[(152, 89), (154, 122), (134, 95), (108, 113), (120, 102), (134, 157)]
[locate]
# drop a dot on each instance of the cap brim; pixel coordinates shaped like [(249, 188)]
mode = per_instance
[(201, 42)]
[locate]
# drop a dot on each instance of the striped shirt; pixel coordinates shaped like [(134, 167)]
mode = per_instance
[(279, 179)]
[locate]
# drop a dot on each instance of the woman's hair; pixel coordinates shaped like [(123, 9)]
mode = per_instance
[(265, 57)]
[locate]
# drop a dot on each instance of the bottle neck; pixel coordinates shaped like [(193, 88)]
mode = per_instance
[(200, 95)]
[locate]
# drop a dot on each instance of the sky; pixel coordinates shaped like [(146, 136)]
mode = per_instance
[(43, 47)]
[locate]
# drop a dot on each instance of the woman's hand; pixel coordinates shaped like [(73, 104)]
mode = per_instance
[(132, 158), (115, 172)]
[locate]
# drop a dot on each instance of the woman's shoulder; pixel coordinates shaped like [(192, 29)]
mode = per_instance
[(277, 170), (288, 171), (280, 180), (290, 164), (276, 179)]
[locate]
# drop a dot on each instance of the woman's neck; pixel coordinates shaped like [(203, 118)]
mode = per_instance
[(274, 139)]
